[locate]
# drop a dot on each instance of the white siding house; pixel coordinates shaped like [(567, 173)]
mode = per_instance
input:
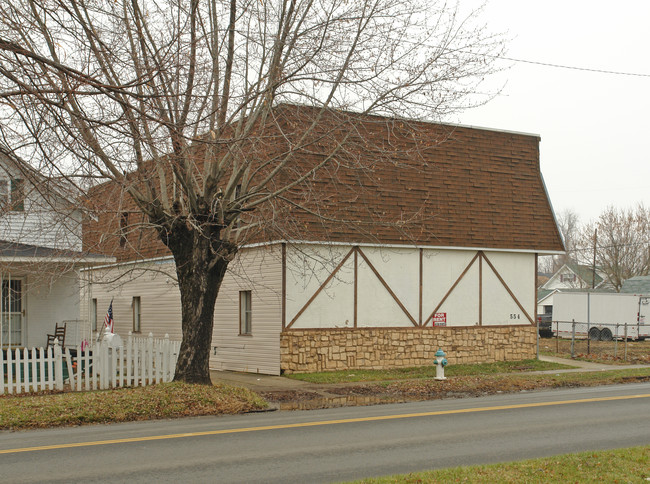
[(256, 269), (40, 255)]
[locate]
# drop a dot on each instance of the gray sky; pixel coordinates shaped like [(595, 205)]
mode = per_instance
[(595, 148)]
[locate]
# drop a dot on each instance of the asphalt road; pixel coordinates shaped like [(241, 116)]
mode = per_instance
[(335, 444)]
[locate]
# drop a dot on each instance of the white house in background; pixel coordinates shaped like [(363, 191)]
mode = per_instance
[(575, 276), (569, 277), (40, 258), (364, 295)]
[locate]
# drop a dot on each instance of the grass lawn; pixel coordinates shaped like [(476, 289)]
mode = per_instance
[(166, 400), (426, 372), (624, 465)]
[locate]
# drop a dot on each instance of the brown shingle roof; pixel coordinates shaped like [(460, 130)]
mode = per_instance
[(395, 182)]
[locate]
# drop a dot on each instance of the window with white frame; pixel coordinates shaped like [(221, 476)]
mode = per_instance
[(136, 314), (245, 319)]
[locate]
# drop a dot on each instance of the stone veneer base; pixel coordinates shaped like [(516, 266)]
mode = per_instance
[(312, 350)]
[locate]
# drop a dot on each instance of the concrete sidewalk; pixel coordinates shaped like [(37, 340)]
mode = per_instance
[(584, 365), (260, 383), (269, 383)]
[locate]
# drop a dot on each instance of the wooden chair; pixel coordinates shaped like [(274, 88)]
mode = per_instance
[(59, 333)]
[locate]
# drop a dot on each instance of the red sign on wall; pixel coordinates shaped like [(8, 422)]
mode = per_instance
[(440, 319)]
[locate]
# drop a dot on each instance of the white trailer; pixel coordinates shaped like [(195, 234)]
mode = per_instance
[(601, 316)]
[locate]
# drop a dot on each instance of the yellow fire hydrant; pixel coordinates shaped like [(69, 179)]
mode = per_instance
[(440, 363)]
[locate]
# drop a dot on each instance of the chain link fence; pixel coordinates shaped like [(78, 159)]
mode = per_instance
[(609, 342)]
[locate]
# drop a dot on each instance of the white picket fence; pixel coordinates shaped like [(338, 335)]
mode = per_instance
[(139, 362)]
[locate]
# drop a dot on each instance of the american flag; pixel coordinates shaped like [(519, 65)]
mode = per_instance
[(108, 319)]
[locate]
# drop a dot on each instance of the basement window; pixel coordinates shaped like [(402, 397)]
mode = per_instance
[(245, 319)]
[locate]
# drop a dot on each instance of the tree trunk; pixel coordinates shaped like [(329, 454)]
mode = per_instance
[(201, 264)]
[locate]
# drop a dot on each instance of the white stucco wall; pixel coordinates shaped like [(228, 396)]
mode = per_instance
[(308, 267), (517, 270), (375, 305), (400, 269), (441, 269)]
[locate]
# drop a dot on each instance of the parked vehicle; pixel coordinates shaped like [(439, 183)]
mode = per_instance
[(545, 325), (601, 316)]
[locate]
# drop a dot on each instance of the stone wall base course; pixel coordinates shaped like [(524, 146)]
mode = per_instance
[(382, 348)]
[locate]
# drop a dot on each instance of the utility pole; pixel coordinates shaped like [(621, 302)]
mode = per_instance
[(593, 273)]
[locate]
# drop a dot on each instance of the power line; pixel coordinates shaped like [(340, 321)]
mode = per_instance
[(633, 244), (575, 68), (539, 63)]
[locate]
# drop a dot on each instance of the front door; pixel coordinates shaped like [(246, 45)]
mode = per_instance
[(12, 313)]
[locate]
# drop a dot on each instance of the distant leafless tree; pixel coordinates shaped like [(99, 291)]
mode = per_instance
[(568, 222), (623, 243), (153, 94)]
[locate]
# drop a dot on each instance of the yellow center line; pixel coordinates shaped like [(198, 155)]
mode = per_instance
[(318, 423)]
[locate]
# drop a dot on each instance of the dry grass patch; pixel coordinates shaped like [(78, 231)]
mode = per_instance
[(167, 400), (609, 352), (472, 386)]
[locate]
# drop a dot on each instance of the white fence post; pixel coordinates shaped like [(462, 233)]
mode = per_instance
[(10, 372), (88, 362), (50, 368), (19, 386), (68, 362), (121, 366), (58, 363), (165, 359), (35, 376), (2, 374), (129, 360), (150, 359)]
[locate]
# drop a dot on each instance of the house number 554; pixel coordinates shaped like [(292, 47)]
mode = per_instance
[(515, 316)]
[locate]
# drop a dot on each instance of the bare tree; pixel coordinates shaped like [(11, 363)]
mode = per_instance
[(569, 224), (623, 243), (176, 103)]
